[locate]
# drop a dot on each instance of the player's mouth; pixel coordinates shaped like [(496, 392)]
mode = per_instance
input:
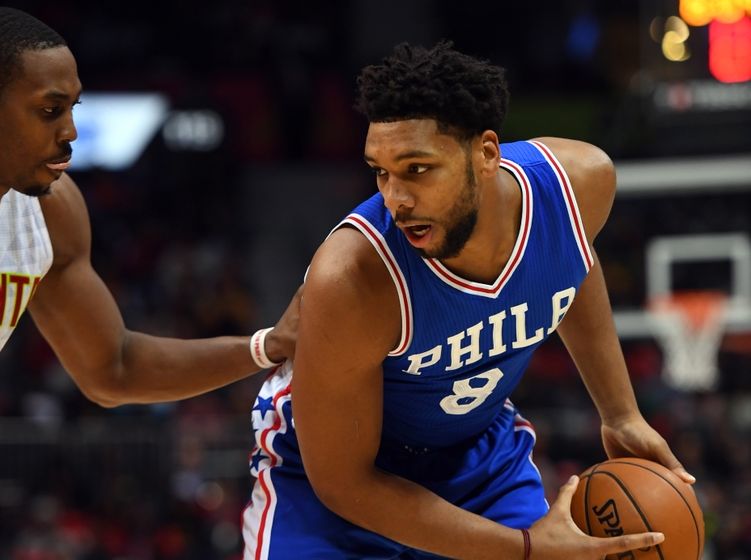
[(60, 164), (418, 235)]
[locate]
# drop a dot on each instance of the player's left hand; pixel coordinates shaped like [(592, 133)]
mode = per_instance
[(634, 437)]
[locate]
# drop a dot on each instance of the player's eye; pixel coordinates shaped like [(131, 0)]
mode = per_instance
[(51, 111), (54, 111), (417, 168)]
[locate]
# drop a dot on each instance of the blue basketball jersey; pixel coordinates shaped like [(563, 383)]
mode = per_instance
[(447, 422), (465, 345)]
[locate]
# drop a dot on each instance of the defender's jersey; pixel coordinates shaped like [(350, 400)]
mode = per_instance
[(25, 256), (464, 345)]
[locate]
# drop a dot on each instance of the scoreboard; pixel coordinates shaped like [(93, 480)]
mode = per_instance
[(695, 77)]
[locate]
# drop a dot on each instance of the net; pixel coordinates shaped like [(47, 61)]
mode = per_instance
[(689, 328)]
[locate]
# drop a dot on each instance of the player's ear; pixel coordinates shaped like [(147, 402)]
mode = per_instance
[(490, 153)]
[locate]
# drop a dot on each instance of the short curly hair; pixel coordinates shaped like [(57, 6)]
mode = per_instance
[(465, 95), (20, 32)]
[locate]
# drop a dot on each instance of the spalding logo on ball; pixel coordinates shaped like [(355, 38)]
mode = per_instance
[(629, 495)]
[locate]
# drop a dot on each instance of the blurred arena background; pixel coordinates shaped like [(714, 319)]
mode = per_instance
[(218, 147)]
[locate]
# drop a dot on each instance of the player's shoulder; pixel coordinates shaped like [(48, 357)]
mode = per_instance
[(592, 176), (67, 219), (64, 198), (349, 285), (347, 257), (577, 156)]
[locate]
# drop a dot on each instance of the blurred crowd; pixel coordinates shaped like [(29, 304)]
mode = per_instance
[(172, 240)]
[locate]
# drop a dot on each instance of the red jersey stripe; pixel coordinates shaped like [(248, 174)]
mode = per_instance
[(570, 198), (396, 274), (492, 290), (265, 473)]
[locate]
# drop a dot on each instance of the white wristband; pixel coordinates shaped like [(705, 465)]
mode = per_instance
[(258, 349)]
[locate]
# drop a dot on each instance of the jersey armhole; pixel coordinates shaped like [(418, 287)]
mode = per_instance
[(567, 190), (397, 276)]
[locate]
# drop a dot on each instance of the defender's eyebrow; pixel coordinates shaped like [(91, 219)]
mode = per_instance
[(58, 95)]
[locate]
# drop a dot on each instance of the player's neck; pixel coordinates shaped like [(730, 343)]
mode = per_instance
[(489, 248)]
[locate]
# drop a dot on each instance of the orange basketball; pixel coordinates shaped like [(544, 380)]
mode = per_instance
[(623, 496)]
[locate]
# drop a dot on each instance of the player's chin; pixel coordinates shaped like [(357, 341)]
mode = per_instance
[(41, 184), (56, 173), (440, 251)]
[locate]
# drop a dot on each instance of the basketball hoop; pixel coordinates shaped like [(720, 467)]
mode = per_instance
[(689, 327)]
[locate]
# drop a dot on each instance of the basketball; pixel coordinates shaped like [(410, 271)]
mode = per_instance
[(629, 495)]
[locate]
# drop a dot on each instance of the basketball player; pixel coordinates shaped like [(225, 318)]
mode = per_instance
[(395, 436), (45, 244)]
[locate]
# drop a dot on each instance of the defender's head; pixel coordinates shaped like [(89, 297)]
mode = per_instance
[(38, 87)]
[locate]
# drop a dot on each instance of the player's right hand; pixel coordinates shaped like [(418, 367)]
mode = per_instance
[(556, 535), (280, 342)]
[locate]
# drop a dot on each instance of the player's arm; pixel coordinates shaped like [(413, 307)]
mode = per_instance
[(349, 321), (588, 330), (112, 365)]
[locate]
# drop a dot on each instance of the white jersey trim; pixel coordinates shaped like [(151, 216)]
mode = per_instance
[(25, 251), (577, 225), (400, 283), (517, 253)]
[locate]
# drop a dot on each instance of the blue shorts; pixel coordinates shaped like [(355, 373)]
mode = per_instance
[(493, 476)]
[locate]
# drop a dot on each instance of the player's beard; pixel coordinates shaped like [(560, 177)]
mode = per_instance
[(460, 223)]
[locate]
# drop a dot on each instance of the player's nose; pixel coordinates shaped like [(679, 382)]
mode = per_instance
[(396, 195), (67, 131)]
